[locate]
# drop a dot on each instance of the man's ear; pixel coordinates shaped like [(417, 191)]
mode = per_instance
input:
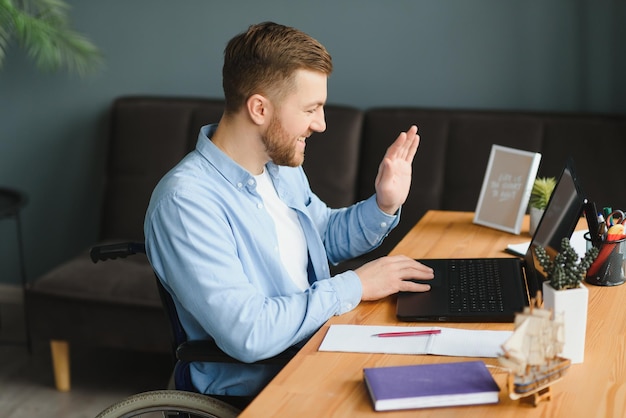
[(259, 108)]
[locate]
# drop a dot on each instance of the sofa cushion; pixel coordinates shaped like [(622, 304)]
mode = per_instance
[(381, 127), (471, 136), (332, 157), (114, 303), (149, 136), (121, 281), (595, 143)]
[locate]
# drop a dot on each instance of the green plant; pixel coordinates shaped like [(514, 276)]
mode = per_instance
[(541, 192), (566, 271), (42, 28)]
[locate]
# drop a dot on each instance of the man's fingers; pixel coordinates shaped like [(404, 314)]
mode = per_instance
[(411, 286), (407, 268), (405, 145), (412, 150)]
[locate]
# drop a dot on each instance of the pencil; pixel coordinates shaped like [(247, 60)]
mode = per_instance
[(407, 333)]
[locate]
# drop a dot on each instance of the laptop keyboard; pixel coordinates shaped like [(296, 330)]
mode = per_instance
[(475, 286)]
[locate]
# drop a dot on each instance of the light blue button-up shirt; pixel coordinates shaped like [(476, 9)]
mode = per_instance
[(214, 246)]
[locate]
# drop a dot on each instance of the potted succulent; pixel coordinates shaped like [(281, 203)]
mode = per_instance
[(565, 295), (566, 271), (42, 28), (539, 197)]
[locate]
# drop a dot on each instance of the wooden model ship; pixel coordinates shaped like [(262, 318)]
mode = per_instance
[(531, 354)]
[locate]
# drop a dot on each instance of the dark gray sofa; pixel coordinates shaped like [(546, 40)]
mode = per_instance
[(116, 304)]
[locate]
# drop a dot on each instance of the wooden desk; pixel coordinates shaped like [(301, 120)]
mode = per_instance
[(331, 384)]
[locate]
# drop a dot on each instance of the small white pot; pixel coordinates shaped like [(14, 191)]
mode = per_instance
[(572, 304), (535, 217)]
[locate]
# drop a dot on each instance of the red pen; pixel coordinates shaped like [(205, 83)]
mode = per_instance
[(408, 333)]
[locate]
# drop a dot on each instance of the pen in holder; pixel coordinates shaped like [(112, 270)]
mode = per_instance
[(608, 267)]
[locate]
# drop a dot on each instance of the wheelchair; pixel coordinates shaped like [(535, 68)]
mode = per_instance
[(179, 400), (170, 403)]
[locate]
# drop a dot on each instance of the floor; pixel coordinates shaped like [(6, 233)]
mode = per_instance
[(100, 377)]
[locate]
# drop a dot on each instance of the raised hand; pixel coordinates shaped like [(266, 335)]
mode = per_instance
[(394, 172)]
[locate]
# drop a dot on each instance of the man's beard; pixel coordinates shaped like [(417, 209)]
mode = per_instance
[(280, 147)]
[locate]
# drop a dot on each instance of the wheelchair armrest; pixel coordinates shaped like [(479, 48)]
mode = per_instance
[(206, 350), (202, 350), (113, 251)]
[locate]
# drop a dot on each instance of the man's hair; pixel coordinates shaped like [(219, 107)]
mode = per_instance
[(263, 60)]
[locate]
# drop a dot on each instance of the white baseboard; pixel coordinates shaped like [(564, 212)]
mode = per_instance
[(11, 294)]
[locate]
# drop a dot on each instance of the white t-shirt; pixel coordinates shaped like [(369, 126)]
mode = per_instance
[(291, 239)]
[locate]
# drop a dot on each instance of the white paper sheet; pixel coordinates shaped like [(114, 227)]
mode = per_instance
[(577, 241), (450, 342)]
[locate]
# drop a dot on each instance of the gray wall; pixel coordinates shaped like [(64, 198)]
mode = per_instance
[(562, 55)]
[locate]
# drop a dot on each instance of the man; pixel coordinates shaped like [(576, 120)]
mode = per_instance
[(237, 236)]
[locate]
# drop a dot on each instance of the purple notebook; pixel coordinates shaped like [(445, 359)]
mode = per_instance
[(430, 385)]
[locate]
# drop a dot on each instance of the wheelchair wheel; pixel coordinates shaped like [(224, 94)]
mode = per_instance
[(169, 403)]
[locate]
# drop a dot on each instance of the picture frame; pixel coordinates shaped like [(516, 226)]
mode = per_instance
[(506, 188)]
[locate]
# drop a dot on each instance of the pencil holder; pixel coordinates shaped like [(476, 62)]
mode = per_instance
[(608, 269)]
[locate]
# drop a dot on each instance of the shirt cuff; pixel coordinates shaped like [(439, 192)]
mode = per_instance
[(379, 223), (347, 286)]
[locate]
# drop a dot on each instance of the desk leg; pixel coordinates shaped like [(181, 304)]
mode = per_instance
[(61, 364)]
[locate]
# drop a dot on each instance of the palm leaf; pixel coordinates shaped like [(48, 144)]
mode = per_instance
[(5, 25), (42, 28)]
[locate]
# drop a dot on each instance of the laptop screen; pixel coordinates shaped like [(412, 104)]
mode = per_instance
[(558, 221)]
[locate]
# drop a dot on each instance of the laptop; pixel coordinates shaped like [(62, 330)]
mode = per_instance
[(507, 283)]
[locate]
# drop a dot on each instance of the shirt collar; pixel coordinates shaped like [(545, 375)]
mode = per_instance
[(231, 171)]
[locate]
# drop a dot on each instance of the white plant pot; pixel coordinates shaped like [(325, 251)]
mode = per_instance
[(572, 305), (535, 217)]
